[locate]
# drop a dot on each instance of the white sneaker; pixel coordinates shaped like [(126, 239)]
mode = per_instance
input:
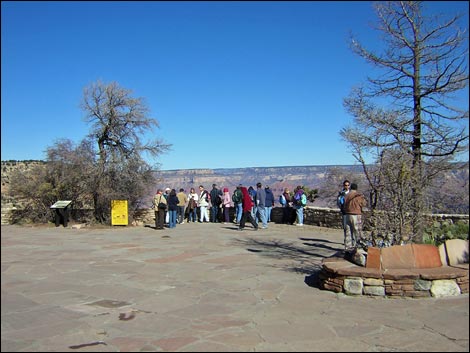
[(299, 225)]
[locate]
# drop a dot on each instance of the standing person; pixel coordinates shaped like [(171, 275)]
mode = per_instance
[(167, 215), (237, 198), (158, 200), (261, 205), (269, 202), (300, 201), (182, 199), (340, 203), (192, 205), (247, 207), (252, 193), (203, 204), (172, 208), (216, 201), (287, 207), (226, 204), (353, 204)]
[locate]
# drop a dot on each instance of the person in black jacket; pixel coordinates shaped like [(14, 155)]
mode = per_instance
[(172, 208)]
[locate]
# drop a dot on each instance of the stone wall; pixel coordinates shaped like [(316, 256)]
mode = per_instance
[(316, 216)]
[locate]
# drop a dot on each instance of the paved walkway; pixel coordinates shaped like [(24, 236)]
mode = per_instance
[(206, 288)]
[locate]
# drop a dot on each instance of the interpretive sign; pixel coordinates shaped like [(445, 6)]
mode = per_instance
[(61, 204), (119, 213)]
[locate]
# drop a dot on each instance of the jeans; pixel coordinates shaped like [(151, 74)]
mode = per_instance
[(214, 213), (262, 215), (268, 210), (180, 213), (172, 219), (239, 211), (192, 216), (254, 213), (300, 214)]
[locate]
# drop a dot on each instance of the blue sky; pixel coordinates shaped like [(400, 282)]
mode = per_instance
[(232, 84)]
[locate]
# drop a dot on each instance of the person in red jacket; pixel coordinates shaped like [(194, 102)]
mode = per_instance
[(247, 206)]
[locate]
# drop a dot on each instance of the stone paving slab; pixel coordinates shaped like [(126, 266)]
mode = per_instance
[(207, 287)]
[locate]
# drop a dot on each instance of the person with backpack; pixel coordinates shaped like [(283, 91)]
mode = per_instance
[(300, 201), (237, 198)]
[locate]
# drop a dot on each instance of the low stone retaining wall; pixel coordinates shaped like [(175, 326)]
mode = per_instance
[(341, 276), (316, 216), (412, 270)]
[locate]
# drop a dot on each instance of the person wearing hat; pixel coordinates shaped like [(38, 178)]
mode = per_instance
[(226, 204)]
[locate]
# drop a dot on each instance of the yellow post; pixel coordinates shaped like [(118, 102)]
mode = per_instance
[(119, 213)]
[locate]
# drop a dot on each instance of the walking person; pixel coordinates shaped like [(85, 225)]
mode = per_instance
[(247, 207), (192, 205), (159, 204), (203, 204), (182, 199), (353, 204)]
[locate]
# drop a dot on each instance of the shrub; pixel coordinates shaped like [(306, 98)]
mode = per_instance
[(438, 233)]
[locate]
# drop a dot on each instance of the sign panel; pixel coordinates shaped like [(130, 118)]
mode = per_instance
[(119, 213), (61, 204)]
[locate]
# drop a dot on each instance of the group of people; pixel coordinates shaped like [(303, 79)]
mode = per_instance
[(253, 206), (250, 205)]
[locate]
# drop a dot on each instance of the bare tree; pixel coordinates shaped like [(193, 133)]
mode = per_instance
[(120, 123), (423, 65)]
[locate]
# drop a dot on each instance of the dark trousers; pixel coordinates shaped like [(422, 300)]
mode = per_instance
[(61, 216), (180, 214), (214, 214), (159, 219), (247, 216)]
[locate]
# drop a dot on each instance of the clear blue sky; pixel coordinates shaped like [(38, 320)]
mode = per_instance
[(230, 83)]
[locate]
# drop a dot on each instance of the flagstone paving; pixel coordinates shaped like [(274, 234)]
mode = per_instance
[(206, 287)]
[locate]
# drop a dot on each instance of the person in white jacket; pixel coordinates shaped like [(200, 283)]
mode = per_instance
[(203, 204)]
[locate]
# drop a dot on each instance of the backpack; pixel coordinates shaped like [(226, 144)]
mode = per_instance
[(237, 196), (303, 200), (340, 200), (282, 200)]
